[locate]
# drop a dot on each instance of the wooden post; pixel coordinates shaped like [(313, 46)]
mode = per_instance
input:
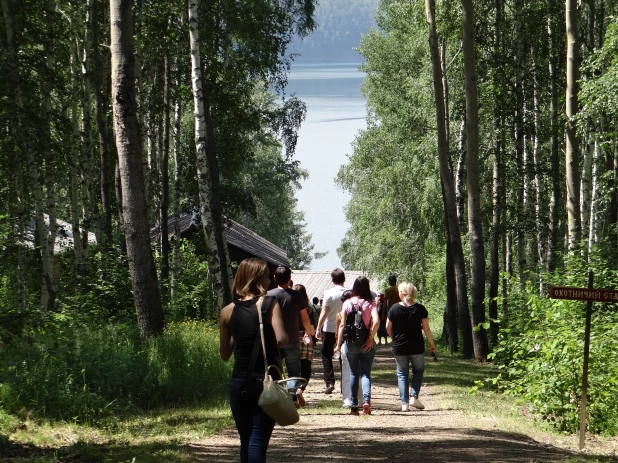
[(582, 415)]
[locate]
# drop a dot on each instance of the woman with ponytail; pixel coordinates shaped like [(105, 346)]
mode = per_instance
[(405, 324)]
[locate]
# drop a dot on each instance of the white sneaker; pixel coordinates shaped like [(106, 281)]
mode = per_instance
[(414, 402), (405, 408), (347, 404)]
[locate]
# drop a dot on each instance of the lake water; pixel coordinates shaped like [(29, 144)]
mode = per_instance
[(335, 114)]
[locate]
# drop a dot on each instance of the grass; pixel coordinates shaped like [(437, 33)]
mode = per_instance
[(154, 436)]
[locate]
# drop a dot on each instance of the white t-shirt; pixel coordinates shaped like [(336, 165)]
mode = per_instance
[(332, 301)]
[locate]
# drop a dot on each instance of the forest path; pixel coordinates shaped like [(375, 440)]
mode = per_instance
[(436, 434)]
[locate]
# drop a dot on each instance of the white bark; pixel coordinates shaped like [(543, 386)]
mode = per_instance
[(537, 174), (572, 141), (203, 170), (593, 229), (33, 168), (176, 200), (584, 188)]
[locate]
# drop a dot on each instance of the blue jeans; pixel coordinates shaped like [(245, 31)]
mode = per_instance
[(403, 372), (254, 426), (360, 367), (293, 365)]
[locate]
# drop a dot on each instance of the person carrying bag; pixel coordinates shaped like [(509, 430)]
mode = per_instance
[(242, 326)]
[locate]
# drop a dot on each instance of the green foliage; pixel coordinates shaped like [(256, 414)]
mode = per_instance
[(540, 353), (83, 374)]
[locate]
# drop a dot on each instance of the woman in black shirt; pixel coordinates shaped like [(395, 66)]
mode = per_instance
[(238, 331), (405, 323)]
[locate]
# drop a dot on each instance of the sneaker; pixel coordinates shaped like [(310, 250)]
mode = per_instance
[(347, 404), (366, 409), (354, 411), (405, 408), (329, 389), (300, 399), (414, 402)]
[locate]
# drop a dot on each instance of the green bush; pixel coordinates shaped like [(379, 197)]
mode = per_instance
[(541, 347), (82, 374)]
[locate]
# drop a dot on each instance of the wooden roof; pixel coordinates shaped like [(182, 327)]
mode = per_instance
[(237, 235), (316, 282)]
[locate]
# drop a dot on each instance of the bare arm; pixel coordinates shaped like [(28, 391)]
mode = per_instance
[(322, 319), (375, 324), (427, 330), (340, 326), (389, 328), (226, 342), (304, 316), (276, 320)]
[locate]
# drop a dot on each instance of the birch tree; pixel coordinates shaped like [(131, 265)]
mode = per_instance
[(218, 275), (572, 141)]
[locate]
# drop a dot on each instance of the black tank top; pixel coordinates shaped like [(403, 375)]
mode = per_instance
[(245, 327)]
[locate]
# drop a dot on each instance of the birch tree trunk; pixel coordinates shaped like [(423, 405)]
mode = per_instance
[(28, 153), (555, 159), (204, 174), (494, 280), (129, 147), (217, 214), (165, 181), (459, 176), (106, 221), (519, 140), (475, 220), (592, 232), (538, 212), (449, 189), (176, 199), (572, 141), (74, 162), (584, 186)]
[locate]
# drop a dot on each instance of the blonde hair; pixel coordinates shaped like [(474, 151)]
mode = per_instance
[(409, 291), (248, 276)]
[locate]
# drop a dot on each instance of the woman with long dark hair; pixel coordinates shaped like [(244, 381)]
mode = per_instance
[(360, 353), (239, 333)]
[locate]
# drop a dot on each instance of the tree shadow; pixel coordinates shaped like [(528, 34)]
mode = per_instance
[(429, 445)]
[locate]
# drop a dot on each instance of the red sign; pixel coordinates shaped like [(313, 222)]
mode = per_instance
[(583, 294)]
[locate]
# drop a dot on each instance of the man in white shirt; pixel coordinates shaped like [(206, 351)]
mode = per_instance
[(327, 326)]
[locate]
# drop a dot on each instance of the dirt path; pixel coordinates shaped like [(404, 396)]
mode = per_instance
[(435, 434)]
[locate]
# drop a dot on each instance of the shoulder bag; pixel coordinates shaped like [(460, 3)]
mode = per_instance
[(275, 399)]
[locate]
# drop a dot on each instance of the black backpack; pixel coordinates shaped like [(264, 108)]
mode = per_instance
[(355, 330)]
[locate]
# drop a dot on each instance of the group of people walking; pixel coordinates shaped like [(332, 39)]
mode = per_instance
[(347, 324)]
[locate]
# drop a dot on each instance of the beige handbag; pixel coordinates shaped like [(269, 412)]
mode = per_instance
[(275, 399)]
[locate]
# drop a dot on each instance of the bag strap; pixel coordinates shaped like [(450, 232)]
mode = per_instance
[(256, 347), (263, 342)]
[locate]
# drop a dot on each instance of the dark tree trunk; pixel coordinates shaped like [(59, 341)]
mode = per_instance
[(477, 251), (165, 181), (100, 115), (129, 147), (449, 189), (555, 156)]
